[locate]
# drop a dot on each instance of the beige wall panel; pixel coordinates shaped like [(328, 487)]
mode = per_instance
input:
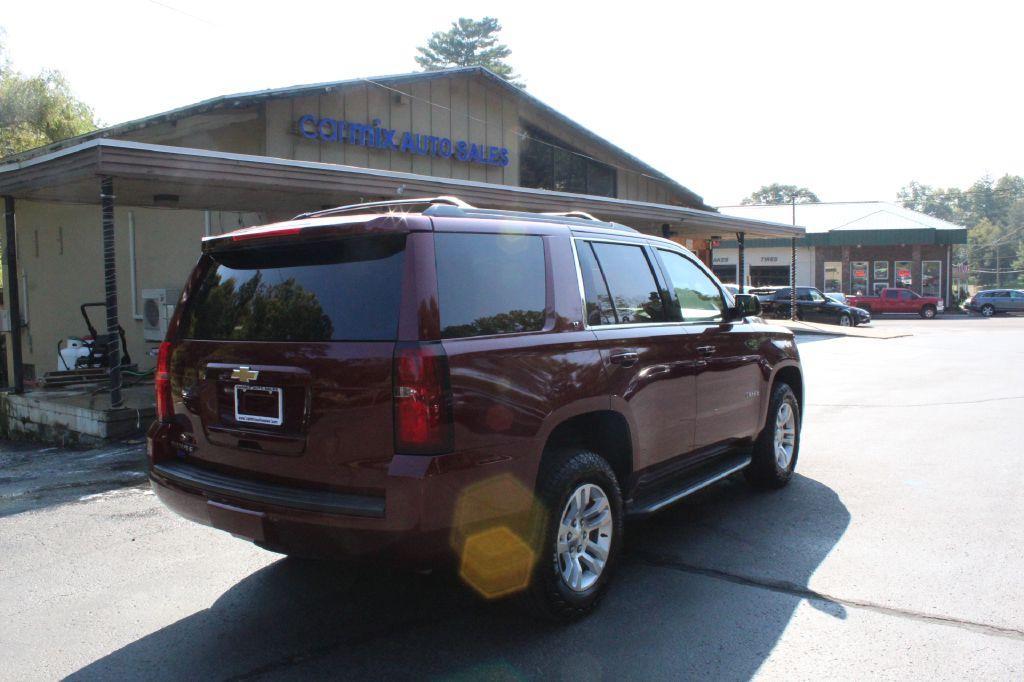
[(305, 148), (510, 139), (356, 109), (441, 123), (420, 92), (332, 105), (280, 140), (477, 126), (401, 121), (167, 246), (495, 174), (239, 132), (379, 107), (460, 121)]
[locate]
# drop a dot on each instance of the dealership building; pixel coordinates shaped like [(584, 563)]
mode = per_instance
[(115, 217), (849, 247)]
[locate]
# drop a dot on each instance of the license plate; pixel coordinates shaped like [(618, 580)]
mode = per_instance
[(259, 405)]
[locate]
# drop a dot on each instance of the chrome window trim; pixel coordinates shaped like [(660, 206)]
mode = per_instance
[(631, 325)]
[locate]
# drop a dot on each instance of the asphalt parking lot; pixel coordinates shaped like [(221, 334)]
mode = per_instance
[(897, 552)]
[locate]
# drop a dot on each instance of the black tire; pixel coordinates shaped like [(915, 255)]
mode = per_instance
[(764, 470), (988, 310), (848, 320), (549, 596), (928, 312)]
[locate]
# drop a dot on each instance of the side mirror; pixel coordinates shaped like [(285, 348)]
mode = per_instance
[(747, 305)]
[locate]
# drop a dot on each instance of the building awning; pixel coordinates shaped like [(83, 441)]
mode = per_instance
[(160, 175)]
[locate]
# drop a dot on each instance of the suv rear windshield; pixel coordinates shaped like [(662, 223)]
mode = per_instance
[(338, 290)]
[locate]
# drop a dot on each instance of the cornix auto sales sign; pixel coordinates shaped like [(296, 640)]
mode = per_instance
[(375, 136)]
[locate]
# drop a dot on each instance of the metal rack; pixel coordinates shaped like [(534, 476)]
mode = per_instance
[(453, 207)]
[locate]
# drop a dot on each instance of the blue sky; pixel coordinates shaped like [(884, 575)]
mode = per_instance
[(853, 100)]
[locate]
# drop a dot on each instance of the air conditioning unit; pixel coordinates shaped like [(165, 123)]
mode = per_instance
[(157, 309)]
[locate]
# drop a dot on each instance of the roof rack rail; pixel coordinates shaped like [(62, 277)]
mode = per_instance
[(369, 205), (453, 207), (573, 214), (577, 218)]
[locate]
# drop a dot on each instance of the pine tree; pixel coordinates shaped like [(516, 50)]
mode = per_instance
[(468, 43)]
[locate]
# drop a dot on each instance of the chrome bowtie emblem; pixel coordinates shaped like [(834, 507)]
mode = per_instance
[(244, 374)]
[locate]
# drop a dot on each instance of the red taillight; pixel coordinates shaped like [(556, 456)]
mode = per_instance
[(164, 406), (261, 233), (422, 399)]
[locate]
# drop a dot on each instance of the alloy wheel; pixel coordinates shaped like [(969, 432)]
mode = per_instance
[(584, 537), (785, 435), (844, 321)]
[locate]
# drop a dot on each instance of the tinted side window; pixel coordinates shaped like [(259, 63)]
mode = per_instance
[(341, 290), (635, 295), (599, 303), (698, 296), (892, 294), (490, 284)]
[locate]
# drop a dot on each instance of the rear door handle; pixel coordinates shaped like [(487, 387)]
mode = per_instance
[(706, 350), (626, 358)]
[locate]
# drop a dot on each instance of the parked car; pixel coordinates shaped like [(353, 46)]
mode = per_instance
[(814, 306), (431, 382), (897, 300), (995, 301)]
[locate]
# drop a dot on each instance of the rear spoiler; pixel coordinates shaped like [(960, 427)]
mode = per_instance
[(347, 226)]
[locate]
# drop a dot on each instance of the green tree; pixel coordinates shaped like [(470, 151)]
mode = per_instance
[(993, 213), (468, 43), (37, 110), (781, 194)]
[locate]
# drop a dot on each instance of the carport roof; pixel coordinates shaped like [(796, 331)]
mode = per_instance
[(856, 223), (205, 179)]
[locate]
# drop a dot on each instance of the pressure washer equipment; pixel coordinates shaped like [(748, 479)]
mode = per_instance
[(89, 352)]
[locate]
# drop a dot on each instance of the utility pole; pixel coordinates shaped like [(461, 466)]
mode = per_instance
[(999, 275), (792, 269)]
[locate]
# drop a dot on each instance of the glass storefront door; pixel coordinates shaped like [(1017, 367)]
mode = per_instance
[(858, 277), (879, 275), (833, 276), (931, 278)]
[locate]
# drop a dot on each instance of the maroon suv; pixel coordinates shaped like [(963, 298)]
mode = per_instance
[(427, 380)]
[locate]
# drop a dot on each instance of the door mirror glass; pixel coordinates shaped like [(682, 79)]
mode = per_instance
[(746, 306)]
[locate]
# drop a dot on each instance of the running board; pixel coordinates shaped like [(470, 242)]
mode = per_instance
[(647, 505)]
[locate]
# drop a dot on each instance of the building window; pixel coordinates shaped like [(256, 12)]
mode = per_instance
[(545, 162), (769, 275), (931, 278), (904, 273), (859, 277), (725, 273), (833, 276)]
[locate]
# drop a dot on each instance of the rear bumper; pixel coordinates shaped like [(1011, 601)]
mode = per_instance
[(424, 513), (188, 476)]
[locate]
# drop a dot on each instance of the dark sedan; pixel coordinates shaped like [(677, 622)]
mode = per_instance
[(814, 306)]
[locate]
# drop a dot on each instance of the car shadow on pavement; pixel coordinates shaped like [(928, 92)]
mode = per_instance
[(705, 589)]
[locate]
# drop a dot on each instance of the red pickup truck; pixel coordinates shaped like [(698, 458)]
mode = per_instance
[(898, 301)]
